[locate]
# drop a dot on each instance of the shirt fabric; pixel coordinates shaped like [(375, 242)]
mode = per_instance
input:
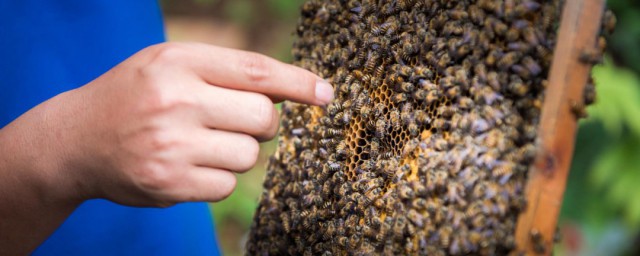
[(51, 46)]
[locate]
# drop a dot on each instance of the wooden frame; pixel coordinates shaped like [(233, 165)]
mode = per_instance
[(579, 28)]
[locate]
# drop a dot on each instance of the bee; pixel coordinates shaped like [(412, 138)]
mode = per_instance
[(399, 226), (532, 66), (405, 87), (367, 165), (399, 98), (342, 151), (334, 108), (526, 7), (589, 93), (419, 204), (371, 195), (591, 56), (538, 241), (445, 233), (331, 132), (380, 128), (365, 111), (443, 61), (345, 118), (394, 78), (327, 142), (370, 63), (439, 178), (394, 119), (530, 36), (432, 96), (419, 95), (508, 60), (578, 109), (284, 219), (343, 241), (422, 117), (344, 189), (374, 147), (360, 102), (378, 109), (518, 88), (441, 144), (413, 129), (334, 166), (405, 192), (609, 21), (441, 124), (379, 71)]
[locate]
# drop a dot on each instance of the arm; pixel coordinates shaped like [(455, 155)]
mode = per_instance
[(171, 124)]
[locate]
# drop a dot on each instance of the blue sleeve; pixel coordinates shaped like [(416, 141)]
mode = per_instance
[(51, 46)]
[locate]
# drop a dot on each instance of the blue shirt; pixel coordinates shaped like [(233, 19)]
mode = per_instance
[(51, 46)]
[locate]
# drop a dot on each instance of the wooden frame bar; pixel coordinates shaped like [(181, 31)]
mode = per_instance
[(579, 28)]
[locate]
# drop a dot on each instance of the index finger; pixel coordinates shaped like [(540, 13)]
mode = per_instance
[(248, 71)]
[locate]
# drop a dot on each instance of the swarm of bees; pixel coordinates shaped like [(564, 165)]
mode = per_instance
[(426, 147)]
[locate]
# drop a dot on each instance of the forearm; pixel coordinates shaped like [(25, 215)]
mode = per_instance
[(34, 199)]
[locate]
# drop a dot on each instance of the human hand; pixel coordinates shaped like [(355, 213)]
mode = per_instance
[(174, 122)]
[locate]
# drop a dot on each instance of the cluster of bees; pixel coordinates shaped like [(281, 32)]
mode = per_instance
[(426, 147)]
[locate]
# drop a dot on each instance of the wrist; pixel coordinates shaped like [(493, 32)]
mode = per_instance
[(36, 157)]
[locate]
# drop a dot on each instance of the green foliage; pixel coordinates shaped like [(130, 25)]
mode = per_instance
[(617, 170), (285, 9), (625, 40), (620, 96), (602, 195)]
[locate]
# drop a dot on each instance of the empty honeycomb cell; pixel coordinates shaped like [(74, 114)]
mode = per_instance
[(467, 80)]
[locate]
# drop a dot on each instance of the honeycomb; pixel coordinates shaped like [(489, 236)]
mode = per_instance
[(426, 146)]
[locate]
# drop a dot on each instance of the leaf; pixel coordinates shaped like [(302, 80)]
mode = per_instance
[(618, 103)]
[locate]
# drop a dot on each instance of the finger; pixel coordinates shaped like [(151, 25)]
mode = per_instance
[(224, 150), (238, 111), (254, 72), (203, 184)]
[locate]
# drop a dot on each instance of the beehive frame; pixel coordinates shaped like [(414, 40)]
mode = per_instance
[(329, 189), (579, 27)]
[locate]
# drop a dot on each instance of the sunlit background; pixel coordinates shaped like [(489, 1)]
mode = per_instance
[(601, 209)]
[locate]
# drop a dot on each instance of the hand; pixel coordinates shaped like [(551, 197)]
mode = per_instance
[(174, 122)]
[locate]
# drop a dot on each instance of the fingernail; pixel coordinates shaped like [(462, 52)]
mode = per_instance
[(324, 91)]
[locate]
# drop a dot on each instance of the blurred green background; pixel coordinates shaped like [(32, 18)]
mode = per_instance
[(601, 208)]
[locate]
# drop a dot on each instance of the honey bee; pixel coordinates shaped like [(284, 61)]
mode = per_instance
[(518, 88), (589, 93), (508, 59), (578, 109), (380, 128), (394, 118), (530, 36), (284, 218), (432, 96), (378, 109), (538, 241), (365, 111), (374, 147), (532, 66), (445, 233), (327, 142), (399, 98), (440, 178), (441, 124), (334, 108), (609, 21), (591, 56), (441, 144)]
